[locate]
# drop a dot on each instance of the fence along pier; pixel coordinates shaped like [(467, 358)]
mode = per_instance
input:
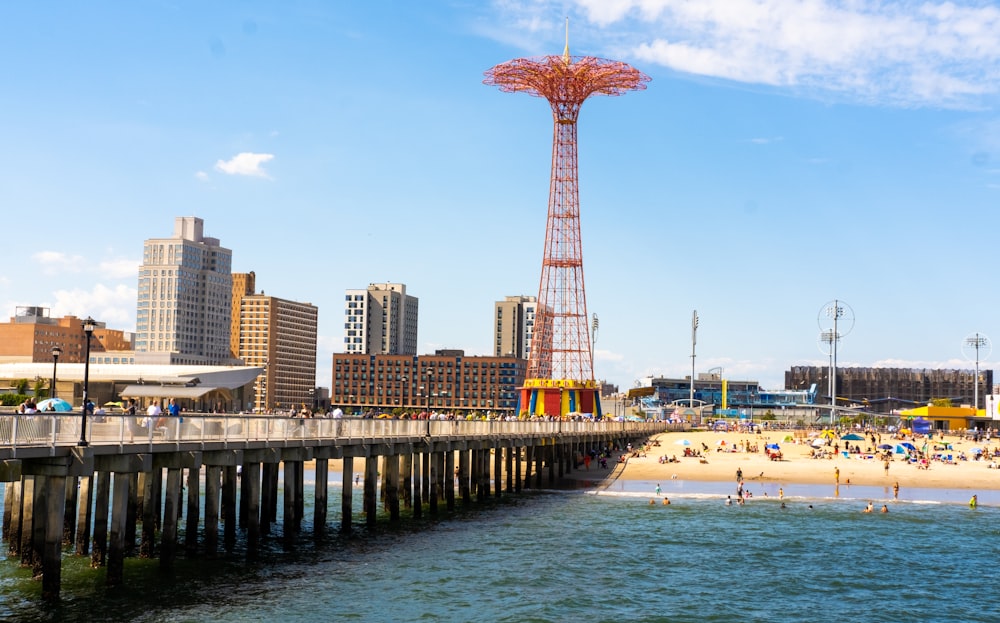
[(121, 495)]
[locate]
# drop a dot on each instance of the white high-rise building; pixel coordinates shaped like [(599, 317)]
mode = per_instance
[(184, 305), (381, 320), (514, 322)]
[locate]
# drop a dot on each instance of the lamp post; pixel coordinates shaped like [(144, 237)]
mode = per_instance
[(88, 328), (56, 351), (978, 344)]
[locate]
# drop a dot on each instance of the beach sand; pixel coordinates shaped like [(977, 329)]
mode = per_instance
[(796, 466)]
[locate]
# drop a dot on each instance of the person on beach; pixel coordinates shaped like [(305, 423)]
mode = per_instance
[(886, 467), (974, 501), (895, 490), (868, 508), (781, 493), (836, 475), (739, 474), (729, 500)]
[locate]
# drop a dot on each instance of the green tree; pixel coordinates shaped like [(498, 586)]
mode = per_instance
[(39, 389), (21, 385)]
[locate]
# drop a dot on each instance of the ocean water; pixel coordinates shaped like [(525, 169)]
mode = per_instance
[(579, 556)]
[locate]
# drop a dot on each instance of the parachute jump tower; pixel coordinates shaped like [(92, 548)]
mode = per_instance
[(560, 376)]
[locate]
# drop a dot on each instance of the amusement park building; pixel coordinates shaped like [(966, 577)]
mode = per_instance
[(889, 389)]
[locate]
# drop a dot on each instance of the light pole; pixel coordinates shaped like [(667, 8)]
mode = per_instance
[(88, 328), (56, 351), (978, 342), (832, 313), (430, 379), (694, 340)]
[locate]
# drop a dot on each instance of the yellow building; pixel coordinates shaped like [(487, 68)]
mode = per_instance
[(948, 418)]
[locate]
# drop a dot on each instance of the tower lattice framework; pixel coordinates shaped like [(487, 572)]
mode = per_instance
[(560, 344)]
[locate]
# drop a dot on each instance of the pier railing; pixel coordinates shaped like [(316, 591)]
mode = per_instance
[(53, 430)]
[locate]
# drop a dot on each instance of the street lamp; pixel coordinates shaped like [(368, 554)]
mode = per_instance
[(88, 328), (56, 351), (430, 379), (979, 344)]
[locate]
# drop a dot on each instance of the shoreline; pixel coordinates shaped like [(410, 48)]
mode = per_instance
[(715, 472)]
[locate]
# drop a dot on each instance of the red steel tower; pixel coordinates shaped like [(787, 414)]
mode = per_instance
[(560, 376)]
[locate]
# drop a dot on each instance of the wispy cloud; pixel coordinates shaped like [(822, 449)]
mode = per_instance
[(201, 176), (57, 262), (766, 140), (246, 163), (119, 268), (897, 52), (112, 304)]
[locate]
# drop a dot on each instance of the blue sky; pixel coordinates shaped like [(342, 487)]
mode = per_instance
[(785, 154)]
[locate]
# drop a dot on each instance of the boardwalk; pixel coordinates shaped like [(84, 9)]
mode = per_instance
[(121, 494)]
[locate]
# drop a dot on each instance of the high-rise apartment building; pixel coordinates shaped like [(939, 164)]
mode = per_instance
[(514, 321), (381, 320), (279, 336), (244, 284), (184, 305)]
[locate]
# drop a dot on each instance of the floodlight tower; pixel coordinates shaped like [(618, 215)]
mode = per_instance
[(560, 376)]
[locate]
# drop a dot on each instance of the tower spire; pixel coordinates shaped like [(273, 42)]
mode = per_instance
[(566, 49)]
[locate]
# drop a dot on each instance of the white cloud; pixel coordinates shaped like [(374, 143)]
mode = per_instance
[(894, 52), (114, 304), (119, 268), (201, 176), (246, 163), (57, 262)]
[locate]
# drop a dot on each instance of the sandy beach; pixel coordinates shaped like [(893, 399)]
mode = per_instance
[(719, 464)]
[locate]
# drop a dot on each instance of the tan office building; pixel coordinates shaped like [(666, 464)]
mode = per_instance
[(280, 337), (513, 323), (244, 284)]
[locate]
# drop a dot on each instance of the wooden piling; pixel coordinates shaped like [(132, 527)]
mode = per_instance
[(346, 493), (371, 483), (168, 535), (98, 555), (119, 519), (51, 555), (319, 496)]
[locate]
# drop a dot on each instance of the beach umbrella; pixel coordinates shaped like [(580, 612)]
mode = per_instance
[(819, 441), (773, 446), (54, 404), (852, 437), (976, 450), (682, 442), (885, 446)]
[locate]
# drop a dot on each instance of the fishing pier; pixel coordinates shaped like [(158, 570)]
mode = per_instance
[(129, 488)]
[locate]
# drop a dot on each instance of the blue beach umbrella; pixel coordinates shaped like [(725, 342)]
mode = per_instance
[(682, 442), (54, 404), (773, 446)]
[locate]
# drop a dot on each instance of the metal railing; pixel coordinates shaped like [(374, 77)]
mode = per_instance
[(58, 429)]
